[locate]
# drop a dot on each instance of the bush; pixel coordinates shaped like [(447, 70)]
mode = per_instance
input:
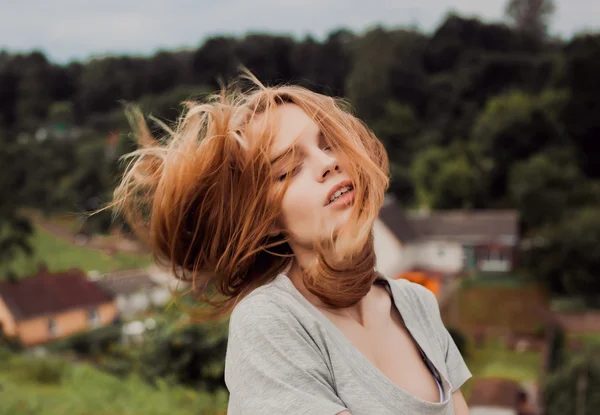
[(460, 340), (45, 371), (575, 387), (89, 343)]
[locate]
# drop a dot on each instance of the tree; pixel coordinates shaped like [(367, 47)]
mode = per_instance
[(575, 387), (450, 178), (515, 126), (398, 128), (190, 354), (531, 16), (556, 349), (544, 194), (580, 114), (567, 257), (15, 229), (368, 84)]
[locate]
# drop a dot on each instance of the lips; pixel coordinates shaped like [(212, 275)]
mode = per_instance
[(340, 185)]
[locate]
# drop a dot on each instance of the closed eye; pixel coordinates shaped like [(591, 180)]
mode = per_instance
[(290, 173)]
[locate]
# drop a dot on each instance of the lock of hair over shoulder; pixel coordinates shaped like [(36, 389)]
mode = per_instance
[(203, 194)]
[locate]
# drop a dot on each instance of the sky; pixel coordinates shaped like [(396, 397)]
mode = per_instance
[(68, 30)]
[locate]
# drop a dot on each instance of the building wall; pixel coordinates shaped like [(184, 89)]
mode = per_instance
[(393, 257), (440, 256), (387, 249), (8, 323), (36, 330)]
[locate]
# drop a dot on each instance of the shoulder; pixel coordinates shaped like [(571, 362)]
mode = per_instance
[(416, 293), (423, 307), (268, 309)]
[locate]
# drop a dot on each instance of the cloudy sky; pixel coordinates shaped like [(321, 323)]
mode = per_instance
[(76, 29)]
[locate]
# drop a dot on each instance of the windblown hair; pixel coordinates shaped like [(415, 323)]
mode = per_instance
[(203, 196)]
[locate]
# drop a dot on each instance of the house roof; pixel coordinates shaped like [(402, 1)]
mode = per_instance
[(394, 217), (468, 226), (126, 282), (50, 293), (464, 226)]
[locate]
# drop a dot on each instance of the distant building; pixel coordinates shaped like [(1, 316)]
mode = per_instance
[(49, 306), (135, 291), (445, 242)]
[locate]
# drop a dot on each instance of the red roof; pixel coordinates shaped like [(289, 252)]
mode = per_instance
[(47, 293)]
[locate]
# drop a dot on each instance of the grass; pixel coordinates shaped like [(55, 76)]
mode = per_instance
[(499, 280), (44, 386), (496, 361), (59, 255)]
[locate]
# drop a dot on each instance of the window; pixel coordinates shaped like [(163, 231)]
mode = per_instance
[(93, 318), (52, 329)]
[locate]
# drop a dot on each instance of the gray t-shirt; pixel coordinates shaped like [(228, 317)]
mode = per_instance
[(285, 357)]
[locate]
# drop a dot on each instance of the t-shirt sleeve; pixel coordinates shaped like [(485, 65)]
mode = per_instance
[(458, 372), (273, 366)]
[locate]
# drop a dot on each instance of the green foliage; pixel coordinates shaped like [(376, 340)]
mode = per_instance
[(556, 349), (89, 343), (187, 353), (59, 255), (514, 127), (81, 389), (575, 387), (168, 105), (567, 258), (496, 360), (542, 193), (449, 177)]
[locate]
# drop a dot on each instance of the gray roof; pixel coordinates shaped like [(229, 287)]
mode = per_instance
[(127, 282), (456, 225)]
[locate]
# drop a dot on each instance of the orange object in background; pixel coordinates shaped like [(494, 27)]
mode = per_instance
[(429, 281)]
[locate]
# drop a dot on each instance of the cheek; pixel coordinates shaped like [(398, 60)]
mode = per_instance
[(298, 209)]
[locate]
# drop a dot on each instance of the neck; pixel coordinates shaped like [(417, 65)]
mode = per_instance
[(356, 312)]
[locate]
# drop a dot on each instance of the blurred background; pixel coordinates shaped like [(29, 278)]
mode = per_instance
[(489, 111)]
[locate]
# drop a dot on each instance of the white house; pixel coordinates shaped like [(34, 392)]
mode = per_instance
[(446, 242), (137, 291)]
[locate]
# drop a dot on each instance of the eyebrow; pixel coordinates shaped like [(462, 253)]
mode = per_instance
[(288, 150)]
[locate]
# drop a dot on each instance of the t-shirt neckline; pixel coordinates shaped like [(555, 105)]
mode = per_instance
[(366, 371)]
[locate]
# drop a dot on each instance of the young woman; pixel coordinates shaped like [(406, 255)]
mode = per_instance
[(265, 200)]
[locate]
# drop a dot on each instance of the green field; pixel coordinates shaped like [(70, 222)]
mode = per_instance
[(59, 255), (496, 361), (43, 386)]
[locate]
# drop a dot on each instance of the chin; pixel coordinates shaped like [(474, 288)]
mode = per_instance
[(339, 221)]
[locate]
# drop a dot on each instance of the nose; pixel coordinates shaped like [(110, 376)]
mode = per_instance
[(328, 165)]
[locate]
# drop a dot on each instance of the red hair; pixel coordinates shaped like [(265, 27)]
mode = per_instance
[(202, 197)]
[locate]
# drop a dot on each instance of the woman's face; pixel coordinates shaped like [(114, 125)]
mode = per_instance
[(320, 194)]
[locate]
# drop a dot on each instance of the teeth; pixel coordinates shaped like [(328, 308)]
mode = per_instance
[(340, 192)]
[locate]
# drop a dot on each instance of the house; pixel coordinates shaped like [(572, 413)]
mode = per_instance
[(445, 242), (48, 306), (135, 291)]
